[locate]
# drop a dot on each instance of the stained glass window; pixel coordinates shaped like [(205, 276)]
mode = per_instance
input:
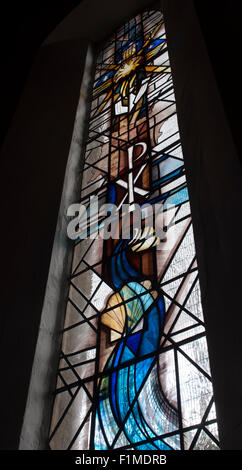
[(134, 369)]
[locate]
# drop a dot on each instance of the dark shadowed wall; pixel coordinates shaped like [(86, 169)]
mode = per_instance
[(33, 165)]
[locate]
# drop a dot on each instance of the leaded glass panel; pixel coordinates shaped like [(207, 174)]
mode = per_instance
[(134, 369)]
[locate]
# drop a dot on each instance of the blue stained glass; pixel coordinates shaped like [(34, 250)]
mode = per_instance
[(145, 298), (179, 197), (169, 164), (168, 177), (161, 307), (155, 43), (135, 408), (133, 341), (114, 379), (113, 392), (110, 427), (176, 196), (111, 194), (117, 357), (142, 368), (139, 45), (121, 47), (157, 444), (103, 78), (151, 334), (164, 157), (119, 275), (100, 443), (126, 390), (126, 356)]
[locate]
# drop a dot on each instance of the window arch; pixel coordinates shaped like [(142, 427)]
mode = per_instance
[(134, 368)]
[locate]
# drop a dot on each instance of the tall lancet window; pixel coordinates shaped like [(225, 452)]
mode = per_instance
[(134, 369)]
